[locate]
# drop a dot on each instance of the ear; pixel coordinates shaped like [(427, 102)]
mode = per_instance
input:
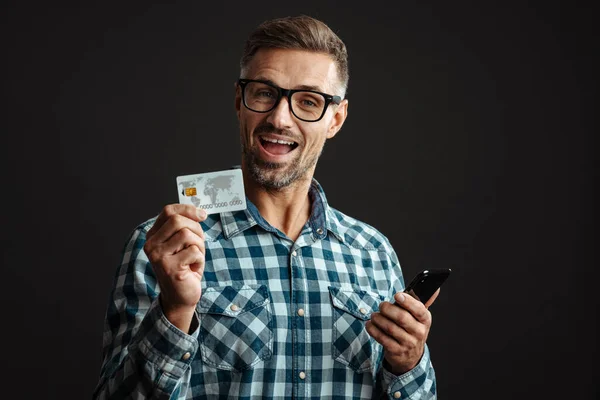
[(238, 99), (341, 112)]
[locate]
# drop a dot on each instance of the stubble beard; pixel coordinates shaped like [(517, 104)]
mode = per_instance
[(276, 176)]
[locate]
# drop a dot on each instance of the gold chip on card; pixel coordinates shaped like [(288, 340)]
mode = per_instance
[(191, 191)]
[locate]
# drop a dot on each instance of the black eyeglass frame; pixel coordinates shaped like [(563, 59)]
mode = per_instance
[(288, 93)]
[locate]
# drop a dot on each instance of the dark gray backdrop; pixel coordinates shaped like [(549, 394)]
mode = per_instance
[(468, 143)]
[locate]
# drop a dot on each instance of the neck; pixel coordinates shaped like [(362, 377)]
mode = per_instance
[(286, 209)]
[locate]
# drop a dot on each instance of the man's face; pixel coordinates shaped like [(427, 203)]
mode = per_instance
[(276, 165)]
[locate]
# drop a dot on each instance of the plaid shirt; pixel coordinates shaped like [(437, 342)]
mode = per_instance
[(277, 318)]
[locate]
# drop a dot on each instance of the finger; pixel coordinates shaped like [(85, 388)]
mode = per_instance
[(432, 299), (162, 252), (181, 240), (192, 256), (173, 225), (389, 344), (414, 307), (391, 328), (180, 264), (186, 210), (401, 317)]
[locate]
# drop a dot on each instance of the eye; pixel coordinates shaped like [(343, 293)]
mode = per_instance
[(265, 93), (260, 91), (308, 100)]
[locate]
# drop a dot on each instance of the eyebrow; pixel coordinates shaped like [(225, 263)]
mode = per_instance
[(301, 87)]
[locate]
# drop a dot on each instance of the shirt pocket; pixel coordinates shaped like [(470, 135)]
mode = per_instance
[(235, 330), (351, 344)]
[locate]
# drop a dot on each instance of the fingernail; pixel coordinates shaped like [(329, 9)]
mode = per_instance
[(201, 213), (400, 297)]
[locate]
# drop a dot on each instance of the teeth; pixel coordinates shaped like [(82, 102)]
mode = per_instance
[(278, 141)]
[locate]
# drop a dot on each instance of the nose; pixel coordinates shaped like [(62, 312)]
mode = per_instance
[(281, 115)]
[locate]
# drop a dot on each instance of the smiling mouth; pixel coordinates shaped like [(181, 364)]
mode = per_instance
[(277, 146)]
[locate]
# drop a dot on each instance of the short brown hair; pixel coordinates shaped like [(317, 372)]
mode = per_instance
[(298, 33)]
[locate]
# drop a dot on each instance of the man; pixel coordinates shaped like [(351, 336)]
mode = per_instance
[(287, 299)]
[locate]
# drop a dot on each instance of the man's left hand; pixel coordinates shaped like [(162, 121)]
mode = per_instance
[(402, 329)]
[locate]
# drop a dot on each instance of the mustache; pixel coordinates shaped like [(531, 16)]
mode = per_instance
[(269, 128)]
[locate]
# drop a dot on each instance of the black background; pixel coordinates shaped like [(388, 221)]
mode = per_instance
[(469, 144)]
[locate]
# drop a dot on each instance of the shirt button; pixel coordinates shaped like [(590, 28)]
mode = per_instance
[(397, 395), (234, 308), (186, 356), (294, 253), (301, 312), (319, 231), (302, 375), (363, 311)]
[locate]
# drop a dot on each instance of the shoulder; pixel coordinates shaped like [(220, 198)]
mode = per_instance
[(357, 233)]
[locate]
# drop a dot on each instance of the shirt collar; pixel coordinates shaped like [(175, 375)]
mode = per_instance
[(321, 221)]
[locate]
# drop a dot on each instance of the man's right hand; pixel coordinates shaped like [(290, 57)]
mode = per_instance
[(175, 248)]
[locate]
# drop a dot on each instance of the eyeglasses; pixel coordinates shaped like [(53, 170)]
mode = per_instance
[(306, 105)]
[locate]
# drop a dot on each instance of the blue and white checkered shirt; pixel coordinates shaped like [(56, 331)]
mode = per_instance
[(277, 318)]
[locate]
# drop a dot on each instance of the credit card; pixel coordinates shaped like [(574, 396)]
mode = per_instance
[(215, 192)]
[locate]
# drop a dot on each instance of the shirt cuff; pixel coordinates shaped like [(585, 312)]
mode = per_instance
[(161, 343), (412, 384)]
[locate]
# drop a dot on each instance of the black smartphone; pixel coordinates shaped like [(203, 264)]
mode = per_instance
[(424, 285)]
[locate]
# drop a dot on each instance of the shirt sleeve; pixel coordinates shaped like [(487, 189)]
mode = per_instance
[(418, 383), (144, 355)]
